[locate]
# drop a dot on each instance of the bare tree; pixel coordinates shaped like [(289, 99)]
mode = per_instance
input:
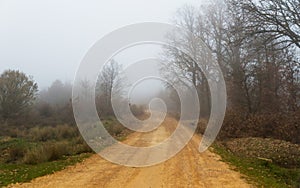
[(255, 65), (264, 54), (109, 86), (281, 18), (186, 56)]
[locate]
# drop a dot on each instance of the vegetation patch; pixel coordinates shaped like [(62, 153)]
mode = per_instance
[(280, 126), (42, 150), (115, 128), (280, 152), (24, 151), (13, 173), (259, 171)]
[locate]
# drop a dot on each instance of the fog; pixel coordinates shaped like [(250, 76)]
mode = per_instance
[(48, 39)]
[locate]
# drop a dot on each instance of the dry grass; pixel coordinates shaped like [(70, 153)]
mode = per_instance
[(279, 152)]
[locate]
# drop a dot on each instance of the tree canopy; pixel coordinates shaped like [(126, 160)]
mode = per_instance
[(17, 93)]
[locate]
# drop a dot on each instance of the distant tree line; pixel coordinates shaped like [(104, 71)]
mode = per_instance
[(22, 103)]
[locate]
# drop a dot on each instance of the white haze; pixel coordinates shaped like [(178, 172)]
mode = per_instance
[(48, 39)]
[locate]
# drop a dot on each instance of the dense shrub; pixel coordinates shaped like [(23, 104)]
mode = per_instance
[(80, 146), (114, 128), (47, 152), (57, 133), (14, 154), (278, 126), (35, 155)]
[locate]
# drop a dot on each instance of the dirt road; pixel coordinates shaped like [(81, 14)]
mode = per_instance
[(189, 168)]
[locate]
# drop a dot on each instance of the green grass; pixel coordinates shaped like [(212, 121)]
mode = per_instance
[(15, 153), (260, 172), (14, 142), (13, 173)]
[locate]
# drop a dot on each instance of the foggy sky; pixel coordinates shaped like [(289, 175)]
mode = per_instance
[(48, 39)]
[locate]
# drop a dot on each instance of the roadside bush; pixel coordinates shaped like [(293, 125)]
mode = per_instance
[(114, 127), (80, 146), (66, 132), (35, 156), (57, 150), (277, 126), (42, 134), (47, 152)]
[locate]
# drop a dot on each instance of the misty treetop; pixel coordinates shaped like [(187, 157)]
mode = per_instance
[(254, 42), (17, 93)]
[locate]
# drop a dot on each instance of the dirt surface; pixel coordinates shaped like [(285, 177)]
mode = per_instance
[(188, 168)]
